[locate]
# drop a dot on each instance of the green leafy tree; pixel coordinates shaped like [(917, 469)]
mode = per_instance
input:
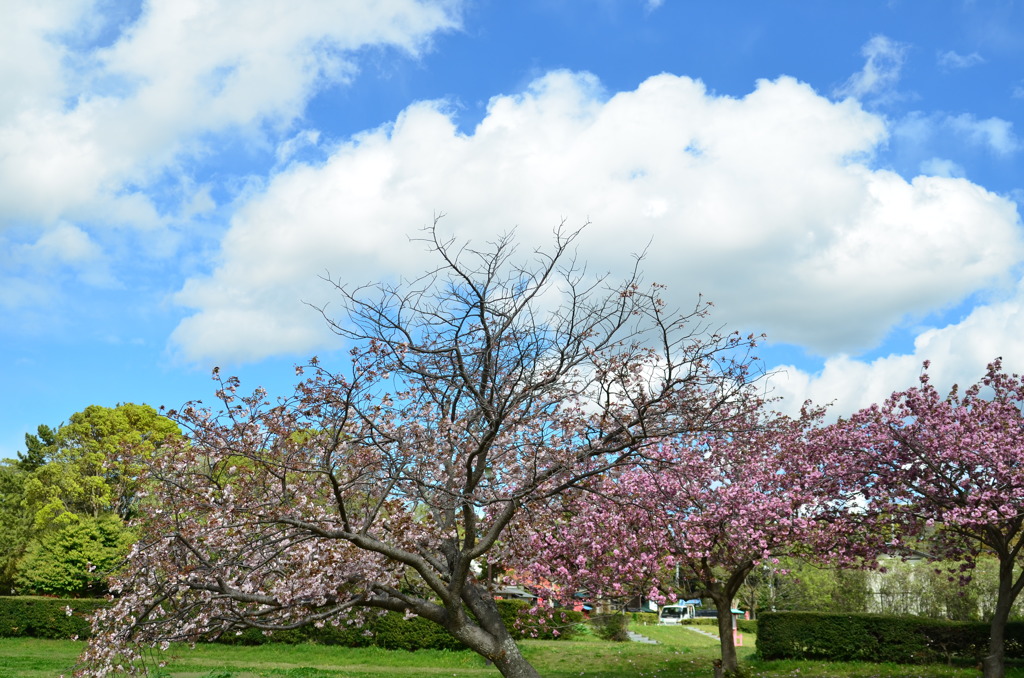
[(15, 518), (939, 590), (94, 463), (77, 486), (15, 522), (985, 578), (76, 559), (38, 448), (795, 584)]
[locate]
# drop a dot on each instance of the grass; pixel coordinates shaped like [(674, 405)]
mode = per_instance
[(680, 653)]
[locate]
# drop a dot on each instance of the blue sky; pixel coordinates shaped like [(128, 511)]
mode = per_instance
[(175, 176)]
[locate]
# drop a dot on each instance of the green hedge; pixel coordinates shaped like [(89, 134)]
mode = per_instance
[(390, 631), (877, 638), (35, 617), (700, 621), (612, 626), (746, 625), (644, 618), (47, 618), (393, 632)]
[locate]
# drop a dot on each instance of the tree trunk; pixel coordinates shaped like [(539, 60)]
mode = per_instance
[(723, 594), (488, 637), (511, 663), (723, 603), (994, 665)]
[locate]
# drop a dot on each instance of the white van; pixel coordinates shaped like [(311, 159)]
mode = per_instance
[(673, 614)]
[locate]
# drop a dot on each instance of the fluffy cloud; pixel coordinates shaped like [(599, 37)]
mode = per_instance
[(96, 119), (66, 243), (995, 134), (958, 353), (766, 204), (942, 167)]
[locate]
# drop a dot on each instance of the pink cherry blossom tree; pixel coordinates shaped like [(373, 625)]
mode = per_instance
[(473, 393), (697, 514), (949, 470)]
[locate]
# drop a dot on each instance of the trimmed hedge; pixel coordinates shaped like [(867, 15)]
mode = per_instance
[(746, 626), (390, 631), (877, 638), (699, 621), (644, 618), (742, 625), (35, 617)]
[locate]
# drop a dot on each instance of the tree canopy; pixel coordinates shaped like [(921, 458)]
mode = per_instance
[(93, 462), (67, 496), (695, 515), (950, 469), (477, 391)]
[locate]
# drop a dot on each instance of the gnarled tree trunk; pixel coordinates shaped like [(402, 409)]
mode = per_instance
[(511, 663)]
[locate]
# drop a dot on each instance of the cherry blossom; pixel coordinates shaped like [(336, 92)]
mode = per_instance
[(697, 513), (470, 398), (949, 471)]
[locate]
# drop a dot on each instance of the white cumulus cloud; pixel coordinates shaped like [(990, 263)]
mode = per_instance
[(958, 353), (767, 204), (88, 125), (995, 134)]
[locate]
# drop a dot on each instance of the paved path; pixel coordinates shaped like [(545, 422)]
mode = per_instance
[(700, 631), (637, 638)]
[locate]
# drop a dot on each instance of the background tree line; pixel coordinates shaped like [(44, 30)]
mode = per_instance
[(912, 587)]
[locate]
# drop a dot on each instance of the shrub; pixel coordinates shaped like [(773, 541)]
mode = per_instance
[(700, 621), (543, 624), (393, 632), (879, 638), (746, 625), (34, 617), (610, 626), (644, 618)]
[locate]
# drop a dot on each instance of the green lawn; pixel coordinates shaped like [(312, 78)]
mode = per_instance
[(680, 653)]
